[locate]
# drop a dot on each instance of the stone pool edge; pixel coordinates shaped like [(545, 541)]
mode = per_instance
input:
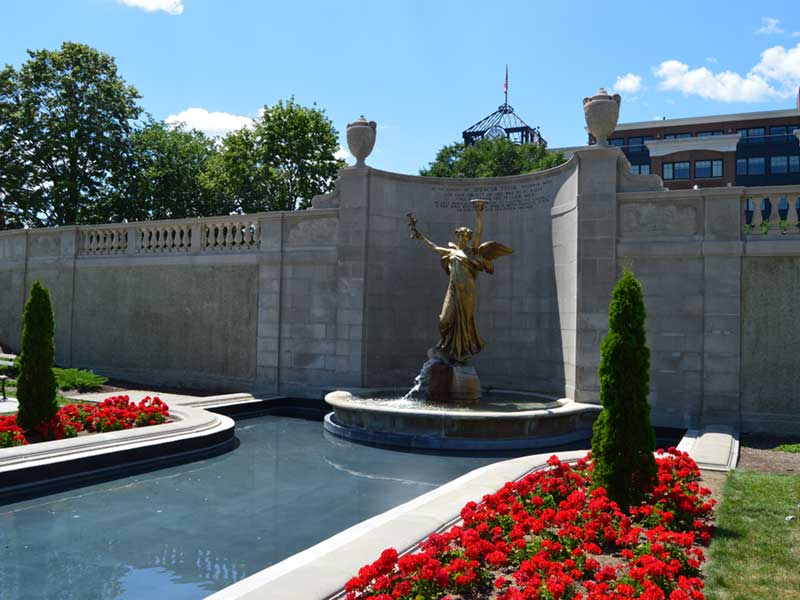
[(320, 572), (37, 469)]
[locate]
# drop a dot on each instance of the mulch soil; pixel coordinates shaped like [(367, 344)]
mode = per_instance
[(757, 454)]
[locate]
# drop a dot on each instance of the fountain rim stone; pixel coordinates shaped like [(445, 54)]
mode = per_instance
[(437, 428), (349, 400)]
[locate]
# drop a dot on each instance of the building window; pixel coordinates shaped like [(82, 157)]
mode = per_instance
[(741, 166), (753, 136), (616, 142), (635, 144), (677, 136), (708, 133), (640, 169), (704, 169), (677, 170), (778, 164), (794, 164), (756, 165)]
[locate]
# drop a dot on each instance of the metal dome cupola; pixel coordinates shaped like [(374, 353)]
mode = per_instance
[(504, 122)]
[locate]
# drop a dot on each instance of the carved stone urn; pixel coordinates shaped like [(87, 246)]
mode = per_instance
[(361, 139), (601, 112)]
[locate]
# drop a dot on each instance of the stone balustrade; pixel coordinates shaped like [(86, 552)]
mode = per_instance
[(218, 234), (104, 240), (771, 211)]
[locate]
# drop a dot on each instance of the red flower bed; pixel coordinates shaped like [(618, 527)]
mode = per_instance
[(550, 536), (112, 414), (10, 433)]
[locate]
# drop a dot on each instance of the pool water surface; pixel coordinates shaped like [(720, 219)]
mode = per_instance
[(187, 531)]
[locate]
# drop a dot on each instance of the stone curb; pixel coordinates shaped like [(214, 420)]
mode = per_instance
[(48, 466), (322, 570), (713, 448)]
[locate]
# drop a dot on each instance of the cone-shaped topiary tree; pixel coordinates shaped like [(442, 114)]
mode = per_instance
[(36, 384), (624, 441)]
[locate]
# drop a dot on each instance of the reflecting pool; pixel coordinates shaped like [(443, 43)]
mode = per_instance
[(186, 531)]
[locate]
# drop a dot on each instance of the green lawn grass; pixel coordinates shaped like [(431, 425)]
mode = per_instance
[(755, 551), (789, 448)]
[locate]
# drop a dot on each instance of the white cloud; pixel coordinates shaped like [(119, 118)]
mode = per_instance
[(782, 66), (173, 7), (343, 154), (777, 75), (628, 83), (210, 123), (711, 59), (796, 34), (769, 25)]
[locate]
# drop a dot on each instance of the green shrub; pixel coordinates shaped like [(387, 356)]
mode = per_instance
[(78, 379), (623, 441), (36, 384)]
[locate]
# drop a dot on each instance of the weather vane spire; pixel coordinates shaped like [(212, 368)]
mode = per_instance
[(505, 86)]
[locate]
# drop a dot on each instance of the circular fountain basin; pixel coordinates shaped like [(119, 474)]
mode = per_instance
[(502, 420)]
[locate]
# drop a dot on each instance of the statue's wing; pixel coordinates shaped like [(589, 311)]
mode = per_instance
[(452, 245), (489, 251), (493, 250)]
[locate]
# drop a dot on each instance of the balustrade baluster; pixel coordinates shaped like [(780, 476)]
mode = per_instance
[(784, 214), (755, 222), (226, 240)]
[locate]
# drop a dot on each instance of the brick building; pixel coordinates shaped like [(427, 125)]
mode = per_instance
[(749, 149)]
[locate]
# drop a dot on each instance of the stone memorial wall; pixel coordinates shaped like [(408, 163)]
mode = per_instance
[(340, 296)]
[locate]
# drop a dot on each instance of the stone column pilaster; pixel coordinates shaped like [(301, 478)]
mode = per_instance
[(596, 268)]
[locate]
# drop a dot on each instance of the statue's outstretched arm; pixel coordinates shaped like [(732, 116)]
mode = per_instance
[(437, 249), (412, 224)]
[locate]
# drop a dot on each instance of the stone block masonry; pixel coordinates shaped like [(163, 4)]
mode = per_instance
[(338, 296)]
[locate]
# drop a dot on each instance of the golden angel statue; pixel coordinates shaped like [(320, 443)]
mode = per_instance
[(462, 262)]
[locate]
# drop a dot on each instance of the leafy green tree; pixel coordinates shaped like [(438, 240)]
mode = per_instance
[(11, 174), (623, 441), (280, 163), (163, 179), (36, 384), (494, 157), (66, 120)]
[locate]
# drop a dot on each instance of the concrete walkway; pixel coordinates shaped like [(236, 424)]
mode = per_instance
[(170, 399), (9, 405), (713, 448)]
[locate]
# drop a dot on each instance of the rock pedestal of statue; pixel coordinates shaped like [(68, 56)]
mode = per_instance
[(443, 380)]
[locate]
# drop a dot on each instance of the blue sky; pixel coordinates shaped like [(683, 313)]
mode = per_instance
[(427, 70)]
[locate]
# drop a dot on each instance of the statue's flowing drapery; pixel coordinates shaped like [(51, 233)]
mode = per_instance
[(459, 336)]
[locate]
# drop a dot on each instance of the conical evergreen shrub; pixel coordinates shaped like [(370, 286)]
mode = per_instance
[(623, 440), (36, 384)]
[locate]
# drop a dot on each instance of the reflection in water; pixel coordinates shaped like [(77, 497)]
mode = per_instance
[(186, 531)]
